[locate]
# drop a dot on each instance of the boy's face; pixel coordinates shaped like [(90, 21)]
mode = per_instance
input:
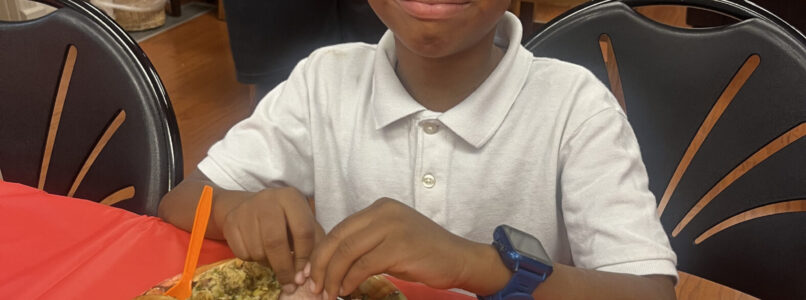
[(439, 28)]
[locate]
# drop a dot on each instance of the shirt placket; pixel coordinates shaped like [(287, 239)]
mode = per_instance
[(431, 174)]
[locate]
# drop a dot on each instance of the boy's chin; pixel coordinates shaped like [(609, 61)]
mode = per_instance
[(438, 51), (432, 52), (431, 48)]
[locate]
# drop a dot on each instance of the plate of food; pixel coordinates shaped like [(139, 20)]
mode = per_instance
[(235, 279)]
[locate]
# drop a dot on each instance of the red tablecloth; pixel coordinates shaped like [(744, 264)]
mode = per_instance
[(54, 247)]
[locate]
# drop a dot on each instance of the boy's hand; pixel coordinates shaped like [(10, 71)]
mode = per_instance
[(387, 237), (271, 224)]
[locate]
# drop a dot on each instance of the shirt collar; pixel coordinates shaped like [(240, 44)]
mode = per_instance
[(390, 100), (477, 117)]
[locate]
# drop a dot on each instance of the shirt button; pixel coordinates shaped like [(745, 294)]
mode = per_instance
[(429, 181), (430, 127)]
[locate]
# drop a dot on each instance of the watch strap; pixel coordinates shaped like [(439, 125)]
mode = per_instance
[(521, 286)]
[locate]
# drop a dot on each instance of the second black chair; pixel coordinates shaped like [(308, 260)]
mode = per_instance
[(720, 115)]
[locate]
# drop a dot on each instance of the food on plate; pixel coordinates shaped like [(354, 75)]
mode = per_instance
[(236, 279), (243, 280)]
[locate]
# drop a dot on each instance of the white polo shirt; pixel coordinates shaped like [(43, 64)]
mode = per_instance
[(541, 145)]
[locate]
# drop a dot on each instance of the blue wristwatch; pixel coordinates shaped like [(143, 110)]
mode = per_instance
[(525, 257)]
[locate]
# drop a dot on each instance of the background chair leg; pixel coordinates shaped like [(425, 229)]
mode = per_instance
[(175, 8), (221, 15)]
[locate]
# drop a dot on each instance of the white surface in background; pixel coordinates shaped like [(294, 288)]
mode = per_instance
[(22, 10), (32, 10)]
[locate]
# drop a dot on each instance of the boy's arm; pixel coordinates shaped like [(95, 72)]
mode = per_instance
[(488, 275), (178, 206)]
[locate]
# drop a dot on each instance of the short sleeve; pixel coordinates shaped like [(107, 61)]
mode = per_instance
[(270, 148), (607, 207)]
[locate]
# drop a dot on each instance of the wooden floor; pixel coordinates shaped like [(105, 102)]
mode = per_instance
[(195, 64)]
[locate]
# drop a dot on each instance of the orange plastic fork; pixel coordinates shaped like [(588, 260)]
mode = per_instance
[(182, 290)]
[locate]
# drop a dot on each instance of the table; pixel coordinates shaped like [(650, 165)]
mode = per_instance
[(56, 247)]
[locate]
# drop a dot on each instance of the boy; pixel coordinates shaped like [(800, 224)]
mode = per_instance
[(456, 128)]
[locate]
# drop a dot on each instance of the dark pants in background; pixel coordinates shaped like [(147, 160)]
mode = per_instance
[(269, 37)]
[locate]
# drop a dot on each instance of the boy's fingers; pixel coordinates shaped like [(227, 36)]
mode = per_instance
[(325, 249), (372, 263), (306, 270), (350, 251), (303, 240), (274, 237), (303, 227), (235, 242), (250, 230), (320, 234)]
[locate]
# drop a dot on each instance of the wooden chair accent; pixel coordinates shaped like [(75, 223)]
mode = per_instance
[(754, 160), (792, 206), (710, 120), (609, 57), (58, 105)]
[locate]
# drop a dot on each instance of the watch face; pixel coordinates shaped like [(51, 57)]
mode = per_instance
[(527, 245)]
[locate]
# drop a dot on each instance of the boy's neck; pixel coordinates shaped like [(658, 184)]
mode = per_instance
[(441, 83)]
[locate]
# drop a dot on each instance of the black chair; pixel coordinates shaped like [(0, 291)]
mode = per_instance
[(720, 115), (116, 137)]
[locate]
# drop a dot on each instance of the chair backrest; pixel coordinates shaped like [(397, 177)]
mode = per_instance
[(720, 115), (83, 112)]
